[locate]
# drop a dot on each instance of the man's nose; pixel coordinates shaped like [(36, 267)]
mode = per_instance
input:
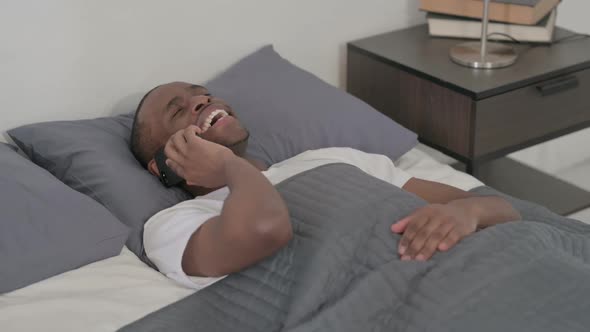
[(198, 102)]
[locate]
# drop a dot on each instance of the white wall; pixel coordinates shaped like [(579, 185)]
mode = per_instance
[(69, 59), (573, 15)]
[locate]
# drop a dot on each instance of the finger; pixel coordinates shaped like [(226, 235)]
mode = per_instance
[(449, 241), (415, 222), (179, 143), (411, 230), (192, 133), (434, 240), (173, 140), (421, 237), (400, 226), (175, 167), (198, 130), (172, 152)]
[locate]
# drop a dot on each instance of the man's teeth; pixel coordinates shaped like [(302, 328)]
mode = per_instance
[(207, 123)]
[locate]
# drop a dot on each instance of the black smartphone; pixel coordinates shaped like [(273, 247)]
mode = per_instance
[(167, 175)]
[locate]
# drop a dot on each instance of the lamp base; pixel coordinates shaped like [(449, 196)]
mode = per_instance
[(469, 55)]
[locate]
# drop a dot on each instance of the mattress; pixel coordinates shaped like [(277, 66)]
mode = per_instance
[(102, 296), (112, 293)]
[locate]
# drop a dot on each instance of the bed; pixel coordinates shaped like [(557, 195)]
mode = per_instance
[(288, 111), (109, 294)]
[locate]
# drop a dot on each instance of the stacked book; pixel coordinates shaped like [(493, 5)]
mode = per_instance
[(520, 20)]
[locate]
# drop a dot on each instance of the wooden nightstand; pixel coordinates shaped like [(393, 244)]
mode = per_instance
[(480, 116)]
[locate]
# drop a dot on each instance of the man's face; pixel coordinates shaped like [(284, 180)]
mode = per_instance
[(175, 106)]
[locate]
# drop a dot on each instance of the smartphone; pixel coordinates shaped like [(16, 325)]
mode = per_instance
[(167, 175)]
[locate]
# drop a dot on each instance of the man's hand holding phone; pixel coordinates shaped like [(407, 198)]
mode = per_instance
[(198, 161)]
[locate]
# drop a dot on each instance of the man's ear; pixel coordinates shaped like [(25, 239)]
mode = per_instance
[(153, 168)]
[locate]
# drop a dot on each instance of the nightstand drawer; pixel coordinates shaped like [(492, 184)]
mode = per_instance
[(531, 113)]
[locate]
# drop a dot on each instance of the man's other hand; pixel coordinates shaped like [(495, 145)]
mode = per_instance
[(435, 226)]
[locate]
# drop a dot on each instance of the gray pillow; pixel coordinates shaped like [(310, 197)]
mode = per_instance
[(47, 228), (93, 157), (289, 111), (14, 148)]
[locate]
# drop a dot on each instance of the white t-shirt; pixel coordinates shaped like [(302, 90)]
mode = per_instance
[(166, 234)]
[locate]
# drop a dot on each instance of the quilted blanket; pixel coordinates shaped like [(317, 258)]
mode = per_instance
[(341, 272)]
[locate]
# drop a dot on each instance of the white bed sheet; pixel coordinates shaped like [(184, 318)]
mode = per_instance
[(421, 165), (112, 293), (102, 296)]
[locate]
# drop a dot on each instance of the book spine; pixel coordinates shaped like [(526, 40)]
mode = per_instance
[(500, 12)]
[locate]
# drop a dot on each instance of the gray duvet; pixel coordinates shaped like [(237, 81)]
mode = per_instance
[(341, 272)]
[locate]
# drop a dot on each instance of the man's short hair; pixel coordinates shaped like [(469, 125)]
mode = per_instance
[(141, 144)]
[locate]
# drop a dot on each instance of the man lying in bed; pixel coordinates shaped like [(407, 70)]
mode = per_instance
[(239, 218)]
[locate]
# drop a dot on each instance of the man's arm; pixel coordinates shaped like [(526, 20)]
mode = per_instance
[(490, 210), (253, 224), (254, 221), (452, 215)]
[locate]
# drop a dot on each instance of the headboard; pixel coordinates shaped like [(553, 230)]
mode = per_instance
[(67, 59)]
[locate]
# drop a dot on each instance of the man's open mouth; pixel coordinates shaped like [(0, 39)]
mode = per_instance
[(212, 119)]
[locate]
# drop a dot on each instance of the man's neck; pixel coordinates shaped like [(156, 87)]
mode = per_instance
[(197, 191)]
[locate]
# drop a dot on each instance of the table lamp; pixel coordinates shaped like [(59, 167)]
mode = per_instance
[(483, 55)]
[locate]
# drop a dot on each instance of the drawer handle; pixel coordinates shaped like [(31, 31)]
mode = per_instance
[(558, 85)]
